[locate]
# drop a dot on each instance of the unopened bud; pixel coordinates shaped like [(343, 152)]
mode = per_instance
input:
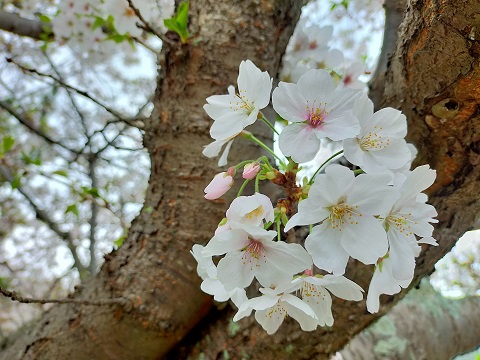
[(251, 170)]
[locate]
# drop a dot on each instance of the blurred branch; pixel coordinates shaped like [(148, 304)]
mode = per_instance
[(23, 27), (124, 302), (23, 119), (394, 12), (72, 100), (93, 219), (85, 94), (43, 217), (148, 27)]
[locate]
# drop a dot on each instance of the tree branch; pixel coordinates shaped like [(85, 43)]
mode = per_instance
[(23, 27), (124, 302), (77, 91), (43, 217), (27, 123), (394, 12), (149, 27), (421, 326)]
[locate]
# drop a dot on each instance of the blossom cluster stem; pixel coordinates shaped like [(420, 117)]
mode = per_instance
[(324, 163), (270, 125), (254, 139), (240, 191)]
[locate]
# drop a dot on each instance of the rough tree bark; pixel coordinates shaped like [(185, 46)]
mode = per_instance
[(424, 325), (154, 268), (433, 77)]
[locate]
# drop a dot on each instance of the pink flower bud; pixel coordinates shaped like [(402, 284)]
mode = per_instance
[(219, 185), (251, 170)]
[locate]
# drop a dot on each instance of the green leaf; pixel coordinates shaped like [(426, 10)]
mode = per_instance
[(44, 18), (33, 158), (91, 191), (60, 173), (16, 182), (73, 209), (182, 15), (119, 242), (7, 143), (99, 22), (179, 23), (5, 282)]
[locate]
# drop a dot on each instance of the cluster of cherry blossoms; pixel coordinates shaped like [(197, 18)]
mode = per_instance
[(308, 49), (85, 23), (376, 214)]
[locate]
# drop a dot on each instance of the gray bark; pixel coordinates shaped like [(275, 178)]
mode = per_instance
[(424, 325)]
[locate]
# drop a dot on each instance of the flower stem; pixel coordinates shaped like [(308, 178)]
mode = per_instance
[(279, 235), (324, 163), (254, 139), (257, 185), (239, 165), (242, 187), (270, 125), (358, 171)]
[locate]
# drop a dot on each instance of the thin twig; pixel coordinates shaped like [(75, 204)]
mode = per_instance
[(43, 217), (93, 218), (99, 302), (25, 122), (74, 89), (72, 100), (149, 27)]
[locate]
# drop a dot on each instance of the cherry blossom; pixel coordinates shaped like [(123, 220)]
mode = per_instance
[(214, 148), (346, 207), (251, 170), (219, 185), (317, 110), (207, 270), (410, 216), (251, 253), (380, 145), (350, 77), (274, 306), (233, 112), (383, 282), (313, 290), (251, 210)]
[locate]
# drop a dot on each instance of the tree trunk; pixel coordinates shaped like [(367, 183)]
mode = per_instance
[(154, 268), (424, 325), (434, 78)]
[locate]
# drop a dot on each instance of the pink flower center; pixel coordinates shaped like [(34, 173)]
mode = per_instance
[(316, 116), (253, 252)]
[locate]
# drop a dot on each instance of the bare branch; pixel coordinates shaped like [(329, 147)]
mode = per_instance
[(23, 27), (124, 302), (75, 90), (43, 217), (23, 119), (93, 218), (149, 27), (72, 100)]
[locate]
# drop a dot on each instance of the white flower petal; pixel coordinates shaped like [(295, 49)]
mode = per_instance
[(365, 239), (233, 272), (300, 142), (226, 241), (316, 87), (343, 288), (288, 102), (326, 250), (401, 256)]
